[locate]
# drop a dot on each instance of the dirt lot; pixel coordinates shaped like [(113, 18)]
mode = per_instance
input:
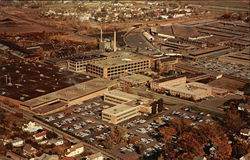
[(227, 83)]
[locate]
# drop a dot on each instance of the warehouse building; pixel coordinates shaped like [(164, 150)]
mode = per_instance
[(114, 67), (61, 99), (242, 57)]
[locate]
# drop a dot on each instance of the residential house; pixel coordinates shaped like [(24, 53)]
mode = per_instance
[(245, 132), (75, 150), (40, 136), (31, 127), (45, 156), (246, 157), (56, 142), (200, 158), (29, 151), (17, 142), (95, 156)]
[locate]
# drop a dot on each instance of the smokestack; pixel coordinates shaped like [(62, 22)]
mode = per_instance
[(114, 41), (101, 34)]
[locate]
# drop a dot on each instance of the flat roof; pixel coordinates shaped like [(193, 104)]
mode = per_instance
[(136, 78), (170, 78), (117, 109), (48, 108), (120, 59), (87, 57), (208, 50), (30, 80), (185, 88), (168, 59), (72, 92), (124, 95)]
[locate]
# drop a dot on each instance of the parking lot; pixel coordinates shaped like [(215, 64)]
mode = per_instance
[(84, 120)]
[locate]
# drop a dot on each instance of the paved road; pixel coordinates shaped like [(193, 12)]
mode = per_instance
[(135, 39)]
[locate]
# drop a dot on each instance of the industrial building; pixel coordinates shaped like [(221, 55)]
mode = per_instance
[(78, 64), (242, 57), (135, 80), (208, 53), (61, 99), (23, 81), (114, 67), (194, 91), (165, 64), (168, 81)]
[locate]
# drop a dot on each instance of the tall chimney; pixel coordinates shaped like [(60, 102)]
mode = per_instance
[(101, 34), (114, 41)]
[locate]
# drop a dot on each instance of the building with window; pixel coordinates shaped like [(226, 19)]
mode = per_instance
[(119, 113), (79, 63), (118, 97), (168, 81), (114, 67), (127, 106)]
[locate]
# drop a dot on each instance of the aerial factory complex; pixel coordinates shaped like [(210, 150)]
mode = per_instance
[(125, 80)]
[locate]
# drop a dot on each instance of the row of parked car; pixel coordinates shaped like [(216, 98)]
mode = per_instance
[(153, 150), (135, 122)]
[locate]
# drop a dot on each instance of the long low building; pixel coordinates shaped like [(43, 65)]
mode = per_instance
[(242, 57), (63, 98), (194, 91), (173, 80)]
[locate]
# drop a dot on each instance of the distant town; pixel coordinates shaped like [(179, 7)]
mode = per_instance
[(125, 80)]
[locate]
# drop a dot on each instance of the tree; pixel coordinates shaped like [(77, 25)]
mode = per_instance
[(233, 121), (139, 148), (108, 144), (134, 140), (118, 134), (51, 135), (168, 133), (9, 146)]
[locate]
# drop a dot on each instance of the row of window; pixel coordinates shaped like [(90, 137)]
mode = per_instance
[(130, 64), (113, 99), (94, 72), (122, 118), (131, 111), (120, 69)]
